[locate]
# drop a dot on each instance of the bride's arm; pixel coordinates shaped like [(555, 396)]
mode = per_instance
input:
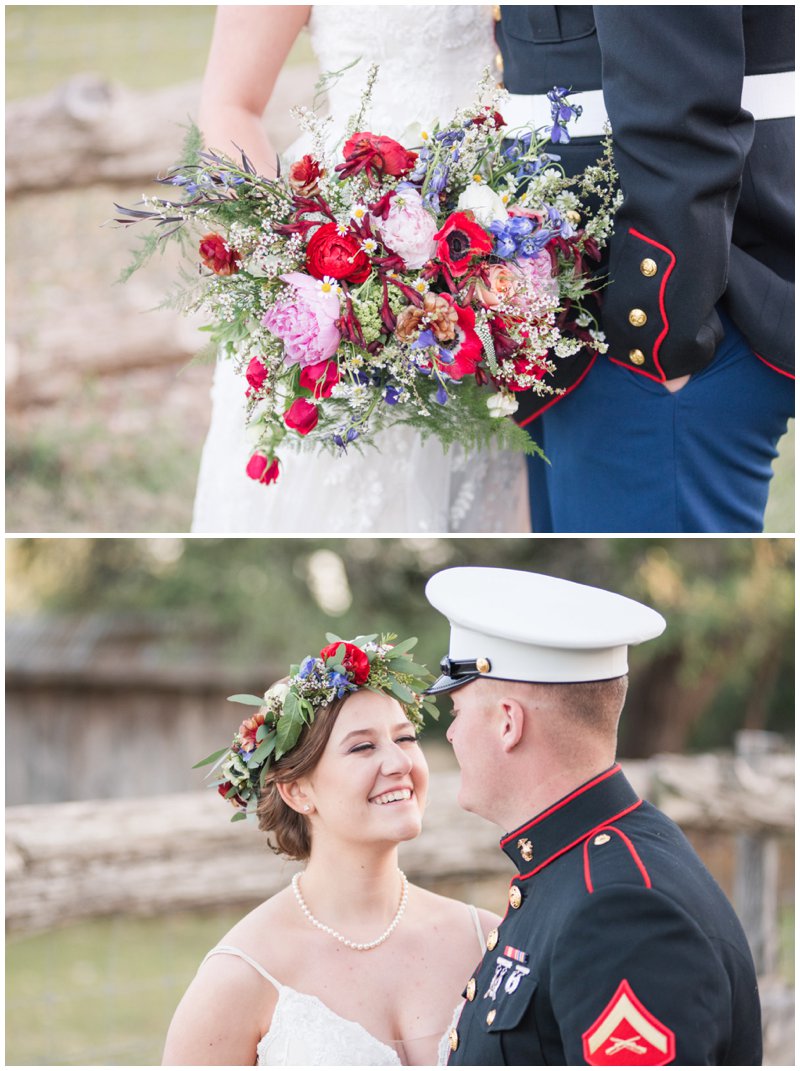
[(249, 47)]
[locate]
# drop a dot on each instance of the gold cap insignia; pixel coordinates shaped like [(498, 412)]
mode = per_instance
[(483, 665)]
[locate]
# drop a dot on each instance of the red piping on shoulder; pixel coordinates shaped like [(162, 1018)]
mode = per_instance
[(780, 371), (628, 843), (524, 423)]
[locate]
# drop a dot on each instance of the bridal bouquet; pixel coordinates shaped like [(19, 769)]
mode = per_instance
[(380, 285)]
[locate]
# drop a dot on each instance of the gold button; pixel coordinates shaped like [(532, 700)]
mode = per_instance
[(490, 1016), (498, 62), (525, 849), (648, 267), (483, 665), (453, 1040), (636, 357), (496, 12), (603, 838), (637, 317), (514, 897), (491, 940), (471, 987)]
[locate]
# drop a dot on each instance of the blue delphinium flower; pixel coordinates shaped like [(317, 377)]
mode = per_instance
[(306, 667), (392, 395), (562, 112), (441, 394)]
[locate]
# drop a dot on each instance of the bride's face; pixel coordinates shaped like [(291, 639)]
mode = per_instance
[(372, 779)]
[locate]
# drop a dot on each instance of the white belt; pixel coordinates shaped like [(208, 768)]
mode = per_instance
[(765, 96)]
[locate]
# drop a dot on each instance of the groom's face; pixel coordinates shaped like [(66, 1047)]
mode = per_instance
[(474, 736)]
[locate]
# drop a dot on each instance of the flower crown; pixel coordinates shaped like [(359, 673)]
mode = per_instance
[(370, 662)]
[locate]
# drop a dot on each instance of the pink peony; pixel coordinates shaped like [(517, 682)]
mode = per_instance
[(408, 229), (306, 321), (537, 279)]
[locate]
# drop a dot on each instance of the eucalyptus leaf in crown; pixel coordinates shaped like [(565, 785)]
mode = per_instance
[(374, 663)]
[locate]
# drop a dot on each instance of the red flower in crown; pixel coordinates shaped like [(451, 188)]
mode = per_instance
[(248, 730), (376, 155), (217, 255), (338, 255), (459, 240), (354, 661)]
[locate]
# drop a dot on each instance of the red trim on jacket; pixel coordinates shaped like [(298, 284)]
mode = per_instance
[(780, 371), (628, 843), (569, 847), (561, 803), (661, 305), (524, 423)]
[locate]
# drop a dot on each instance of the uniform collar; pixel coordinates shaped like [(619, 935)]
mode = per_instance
[(569, 821)]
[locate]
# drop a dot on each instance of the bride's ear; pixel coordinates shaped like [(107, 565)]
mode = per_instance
[(294, 795)]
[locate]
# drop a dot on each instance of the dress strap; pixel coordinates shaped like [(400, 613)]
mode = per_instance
[(231, 950), (478, 928)]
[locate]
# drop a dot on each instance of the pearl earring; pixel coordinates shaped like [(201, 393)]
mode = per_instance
[(307, 808)]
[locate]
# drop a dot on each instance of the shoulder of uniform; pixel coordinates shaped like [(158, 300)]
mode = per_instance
[(610, 857)]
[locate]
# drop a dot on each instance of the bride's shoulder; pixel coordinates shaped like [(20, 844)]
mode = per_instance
[(456, 913), (270, 915)]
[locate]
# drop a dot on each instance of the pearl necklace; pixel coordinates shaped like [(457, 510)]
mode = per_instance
[(353, 944)]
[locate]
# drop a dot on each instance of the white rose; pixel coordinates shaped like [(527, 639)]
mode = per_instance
[(502, 404), (486, 205), (278, 691)]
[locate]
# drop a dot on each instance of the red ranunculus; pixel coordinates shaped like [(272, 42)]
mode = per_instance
[(217, 255), (320, 378), (338, 255), (459, 240), (354, 661), (375, 154), (304, 176), (224, 789), (256, 374), (302, 416), (262, 469)]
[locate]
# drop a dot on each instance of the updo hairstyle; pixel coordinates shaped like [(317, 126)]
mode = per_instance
[(290, 829)]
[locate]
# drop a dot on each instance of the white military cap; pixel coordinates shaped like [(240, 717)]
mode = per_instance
[(518, 626)]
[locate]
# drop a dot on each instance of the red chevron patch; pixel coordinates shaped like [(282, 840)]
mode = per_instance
[(626, 1034)]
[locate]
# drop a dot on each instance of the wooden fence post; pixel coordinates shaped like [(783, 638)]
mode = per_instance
[(755, 890)]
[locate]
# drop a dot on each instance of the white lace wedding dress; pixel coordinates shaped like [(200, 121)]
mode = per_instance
[(431, 59), (305, 1032)]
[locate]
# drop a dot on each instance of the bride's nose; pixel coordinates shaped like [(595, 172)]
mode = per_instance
[(396, 760)]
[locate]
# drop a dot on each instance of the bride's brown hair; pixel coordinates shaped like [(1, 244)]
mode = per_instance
[(291, 831)]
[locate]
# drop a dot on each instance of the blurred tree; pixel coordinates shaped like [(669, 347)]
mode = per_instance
[(725, 661)]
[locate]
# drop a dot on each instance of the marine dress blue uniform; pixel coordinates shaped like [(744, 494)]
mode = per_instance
[(700, 268), (617, 947)]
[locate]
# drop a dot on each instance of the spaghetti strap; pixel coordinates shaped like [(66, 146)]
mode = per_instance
[(231, 950), (478, 929)]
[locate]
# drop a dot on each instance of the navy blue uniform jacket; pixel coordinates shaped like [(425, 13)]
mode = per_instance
[(622, 950), (709, 192)]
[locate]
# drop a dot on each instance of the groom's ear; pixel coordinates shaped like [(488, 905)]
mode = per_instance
[(294, 795), (512, 722)]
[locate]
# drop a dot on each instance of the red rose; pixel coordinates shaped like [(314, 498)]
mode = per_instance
[(304, 176), (459, 240), (217, 255), (320, 378), (301, 415), (256, 374), (354, 661), (338, 255), (262, 469), (376, 155)]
